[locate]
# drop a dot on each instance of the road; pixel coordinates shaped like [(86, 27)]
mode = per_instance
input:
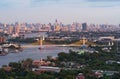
[(71, 45)]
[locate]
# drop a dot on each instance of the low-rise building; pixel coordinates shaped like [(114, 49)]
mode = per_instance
[(8, 69), (80, 76), (2, 39), (46, 69), (40, 63)]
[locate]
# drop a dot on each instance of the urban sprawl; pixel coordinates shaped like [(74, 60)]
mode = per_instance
[(95, 53)]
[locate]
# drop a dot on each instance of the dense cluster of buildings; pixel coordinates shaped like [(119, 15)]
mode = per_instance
[(17, 28), (2, 39)]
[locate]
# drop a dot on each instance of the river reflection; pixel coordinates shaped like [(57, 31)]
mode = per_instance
[(32, 52)]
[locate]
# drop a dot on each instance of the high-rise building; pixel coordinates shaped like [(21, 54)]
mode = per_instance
[(84, 26), (10, 29), (17, 29), (56, 22), (57, 28)]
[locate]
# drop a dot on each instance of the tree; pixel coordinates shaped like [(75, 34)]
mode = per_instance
[(63, 56), (46, 76), (70, 77), (2, 74), (10, 78), (116, 76)]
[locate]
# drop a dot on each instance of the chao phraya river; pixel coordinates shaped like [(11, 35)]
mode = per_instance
[(32, 52)]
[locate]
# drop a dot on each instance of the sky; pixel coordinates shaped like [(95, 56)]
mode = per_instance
[(66, 11)]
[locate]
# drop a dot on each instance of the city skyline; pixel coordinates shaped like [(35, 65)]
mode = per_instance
[(66, 11)]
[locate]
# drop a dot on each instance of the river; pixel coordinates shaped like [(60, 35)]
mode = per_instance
[(32, 52)]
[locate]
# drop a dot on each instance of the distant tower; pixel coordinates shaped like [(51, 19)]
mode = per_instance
[(10, 29), (17, 28), (4, 25), (84, 27), (56, 20), (57, 26)]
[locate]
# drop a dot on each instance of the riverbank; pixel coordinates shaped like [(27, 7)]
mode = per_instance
[(32, 52)]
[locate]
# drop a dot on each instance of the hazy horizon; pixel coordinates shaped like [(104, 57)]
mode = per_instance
[(66, 11)]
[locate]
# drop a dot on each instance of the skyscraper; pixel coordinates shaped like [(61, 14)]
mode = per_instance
[(10, 29), (84, 26), (17, 29)]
